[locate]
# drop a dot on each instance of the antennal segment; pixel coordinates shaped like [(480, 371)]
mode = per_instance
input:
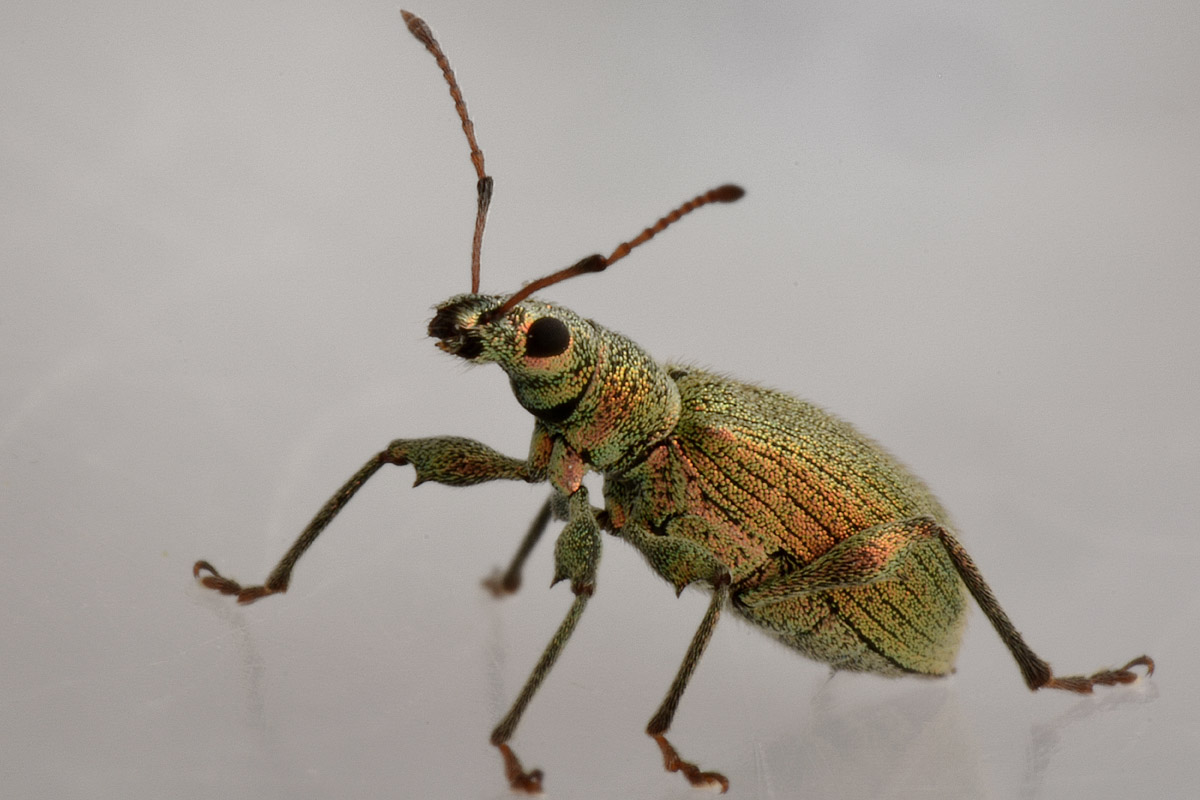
[(598, 263), (418, 28)]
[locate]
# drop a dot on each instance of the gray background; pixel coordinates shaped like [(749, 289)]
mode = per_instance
[(970, 228)]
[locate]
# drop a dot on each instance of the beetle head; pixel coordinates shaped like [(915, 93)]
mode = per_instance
[(548, 351)]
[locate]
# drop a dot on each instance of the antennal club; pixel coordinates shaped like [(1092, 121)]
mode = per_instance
[(418, 28), (598, 263)]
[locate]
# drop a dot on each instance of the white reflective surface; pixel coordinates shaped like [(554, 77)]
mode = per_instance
[(971, 230)]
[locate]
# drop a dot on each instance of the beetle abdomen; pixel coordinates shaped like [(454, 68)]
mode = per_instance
[(780, 482)]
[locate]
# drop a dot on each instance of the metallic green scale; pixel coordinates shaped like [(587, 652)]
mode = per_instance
[(762, 483), (776, 481), (780, 482)]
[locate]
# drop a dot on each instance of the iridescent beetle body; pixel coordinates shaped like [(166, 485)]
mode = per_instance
[(790, 516), (761, 481), (768, 484)]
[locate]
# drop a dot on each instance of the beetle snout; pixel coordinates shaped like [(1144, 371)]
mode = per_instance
[(444, 324), (455, 334)]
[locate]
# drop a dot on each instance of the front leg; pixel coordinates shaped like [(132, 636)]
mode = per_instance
[(451, 460), (576, 556)]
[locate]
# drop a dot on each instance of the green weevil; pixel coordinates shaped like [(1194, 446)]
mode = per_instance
[(789, 516)]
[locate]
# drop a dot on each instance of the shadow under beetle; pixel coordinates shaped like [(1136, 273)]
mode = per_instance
[(795, 520)]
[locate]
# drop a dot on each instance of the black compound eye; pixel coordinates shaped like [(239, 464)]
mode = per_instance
[(547, 337)]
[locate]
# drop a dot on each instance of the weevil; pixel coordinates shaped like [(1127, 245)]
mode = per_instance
[(789, 516)]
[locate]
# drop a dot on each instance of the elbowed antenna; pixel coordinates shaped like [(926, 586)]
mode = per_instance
[(418, 28), (597, 263), (594, 263)]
